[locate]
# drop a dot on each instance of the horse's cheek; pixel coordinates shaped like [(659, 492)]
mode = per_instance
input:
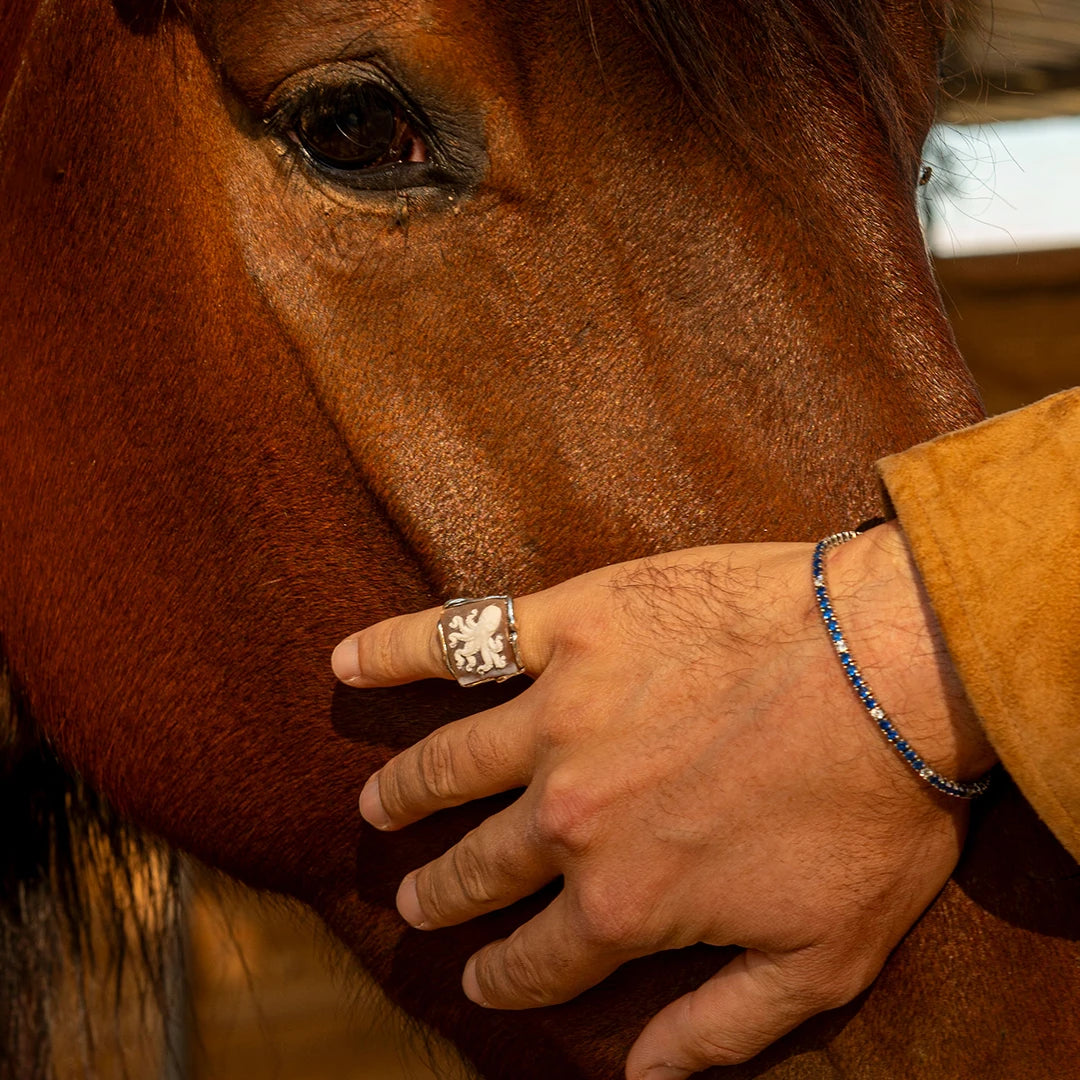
[(188, 536)]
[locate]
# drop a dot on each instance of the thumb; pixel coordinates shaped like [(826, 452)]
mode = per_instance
[(747, 1005)]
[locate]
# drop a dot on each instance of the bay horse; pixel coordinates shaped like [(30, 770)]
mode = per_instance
[(315, 311)]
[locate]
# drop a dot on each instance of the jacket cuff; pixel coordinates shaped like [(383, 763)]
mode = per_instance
[(992, 515)]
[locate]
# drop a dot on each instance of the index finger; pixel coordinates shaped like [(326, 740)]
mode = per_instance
[(392, 652), (406, 647)]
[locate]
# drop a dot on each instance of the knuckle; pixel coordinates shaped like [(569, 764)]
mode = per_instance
[(435, 765), (390, 792), (512, 976), (566, 815), (607, 920), (470, 875), (461, 881), (563, 717), (377, 651), (824, 987), (432, 895), (483, 752), (718, 1044), (558, 726), (842, 985), (711, 1049), (585, 630)]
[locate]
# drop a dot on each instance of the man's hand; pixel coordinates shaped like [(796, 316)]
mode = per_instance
[(697, 769)]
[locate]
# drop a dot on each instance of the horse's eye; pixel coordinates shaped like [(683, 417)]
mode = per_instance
[(357, 127)]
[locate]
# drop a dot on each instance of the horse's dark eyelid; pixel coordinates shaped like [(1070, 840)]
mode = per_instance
[(312, 103)]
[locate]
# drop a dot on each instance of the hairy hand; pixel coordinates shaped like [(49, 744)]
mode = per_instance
[(697, 769)]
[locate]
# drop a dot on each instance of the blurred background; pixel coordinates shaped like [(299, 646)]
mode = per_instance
[(1002, 208), (259, 991)]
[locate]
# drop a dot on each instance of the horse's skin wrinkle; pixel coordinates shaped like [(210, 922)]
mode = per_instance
[(242, 413)]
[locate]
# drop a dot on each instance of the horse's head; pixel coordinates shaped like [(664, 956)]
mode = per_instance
[(317, 311), (558, 285)]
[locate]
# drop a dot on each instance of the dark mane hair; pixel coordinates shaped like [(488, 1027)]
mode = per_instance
[(86, 901), (718, 53)]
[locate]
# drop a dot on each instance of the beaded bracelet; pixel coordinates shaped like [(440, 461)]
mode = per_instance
[(960, 789)]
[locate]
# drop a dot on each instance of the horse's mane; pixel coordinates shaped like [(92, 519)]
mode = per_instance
[(719, 53), (86, 901)]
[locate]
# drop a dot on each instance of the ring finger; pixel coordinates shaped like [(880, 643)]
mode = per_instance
[(489, 868)]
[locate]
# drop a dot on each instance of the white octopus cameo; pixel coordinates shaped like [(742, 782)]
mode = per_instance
[(474, 642)]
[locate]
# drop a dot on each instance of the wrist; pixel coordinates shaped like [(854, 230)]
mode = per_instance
[(895, 638)]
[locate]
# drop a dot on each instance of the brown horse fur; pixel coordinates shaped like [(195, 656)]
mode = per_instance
[(648, 301)]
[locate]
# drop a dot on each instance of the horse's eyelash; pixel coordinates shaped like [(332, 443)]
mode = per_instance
[(286, 112), (313, 93)]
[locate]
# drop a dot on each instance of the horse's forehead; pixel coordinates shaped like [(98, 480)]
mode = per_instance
[(261, 43)]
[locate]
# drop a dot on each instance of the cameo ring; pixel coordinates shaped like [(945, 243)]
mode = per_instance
[(478, 638)]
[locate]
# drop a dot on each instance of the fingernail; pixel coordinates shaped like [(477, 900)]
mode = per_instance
[(346, 661), (408, 904), (371, 807), (471, 985)]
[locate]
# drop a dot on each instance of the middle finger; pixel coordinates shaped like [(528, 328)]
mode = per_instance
[(480, 755)]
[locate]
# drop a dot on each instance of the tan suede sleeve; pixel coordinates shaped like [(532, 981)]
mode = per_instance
[(992, 514)]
